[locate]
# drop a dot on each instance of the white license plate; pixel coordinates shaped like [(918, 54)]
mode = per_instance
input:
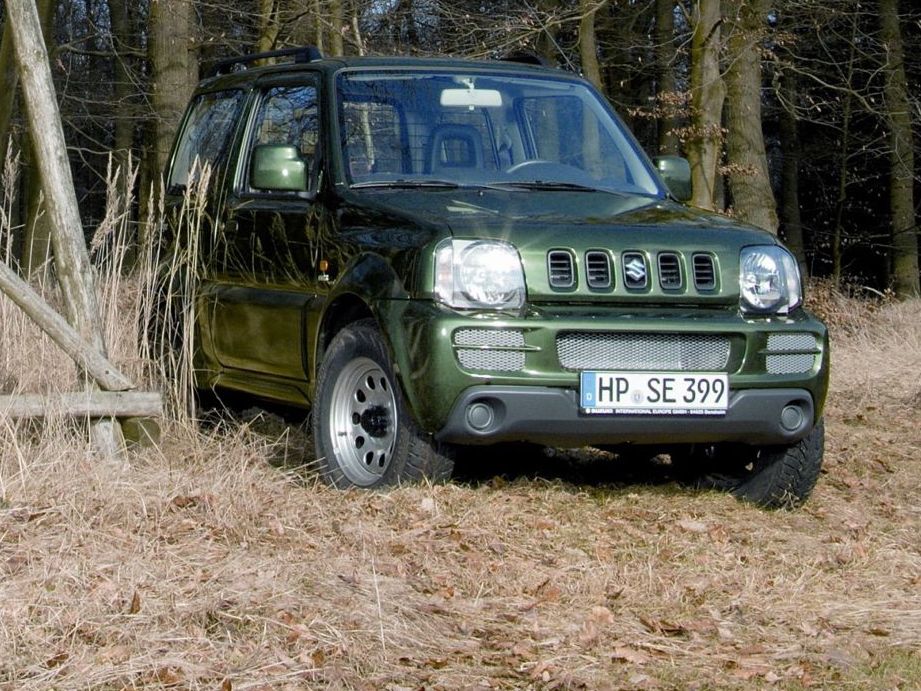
[(654, 393)]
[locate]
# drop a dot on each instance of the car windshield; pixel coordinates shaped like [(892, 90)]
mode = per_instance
[(442, 130)]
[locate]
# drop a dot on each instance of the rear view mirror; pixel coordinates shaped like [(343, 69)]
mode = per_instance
[(471, 98), (676, 173), (278, 168)]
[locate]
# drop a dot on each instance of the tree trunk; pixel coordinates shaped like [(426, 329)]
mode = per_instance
[(337, 23), (122, 36), (901, 156), (269, 27), (791, 222), (707, 95), (173, 73), (665, 71), (749, 180), (588, 47), (10, 80), (35, 254)]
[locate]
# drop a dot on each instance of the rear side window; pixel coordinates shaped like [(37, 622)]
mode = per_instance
[(207, 133)]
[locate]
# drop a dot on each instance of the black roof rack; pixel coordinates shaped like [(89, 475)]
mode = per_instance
[(300, 55)]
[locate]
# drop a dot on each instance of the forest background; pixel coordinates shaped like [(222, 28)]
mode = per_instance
[(796, 115), (217, 560)]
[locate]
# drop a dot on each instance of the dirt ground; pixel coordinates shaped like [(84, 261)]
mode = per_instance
[(215, 562)]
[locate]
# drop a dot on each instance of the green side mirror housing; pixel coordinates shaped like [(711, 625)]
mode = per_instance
[(676, 173), (278, 168)]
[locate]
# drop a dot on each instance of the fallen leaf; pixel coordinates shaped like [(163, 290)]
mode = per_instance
[(57, 660), (663, 627), (692, 526), (135, 605), (602, 615), (809, 629), (624, 653)]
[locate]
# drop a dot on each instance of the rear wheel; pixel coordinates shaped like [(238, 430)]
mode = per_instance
[(772, 476), (363, 432)]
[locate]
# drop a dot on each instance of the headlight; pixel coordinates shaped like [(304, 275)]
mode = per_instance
[(479, 274), (769, 280)]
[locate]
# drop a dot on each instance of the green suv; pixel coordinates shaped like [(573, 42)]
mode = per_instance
[(437, 253)]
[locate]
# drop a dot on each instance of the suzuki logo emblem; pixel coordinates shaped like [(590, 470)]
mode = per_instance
[(635, 270)]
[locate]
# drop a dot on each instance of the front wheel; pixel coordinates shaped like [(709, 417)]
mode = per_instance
[(774, 477), (363, 432)]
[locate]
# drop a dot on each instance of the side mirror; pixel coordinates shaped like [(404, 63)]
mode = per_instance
[(676, 173), (278, 168)]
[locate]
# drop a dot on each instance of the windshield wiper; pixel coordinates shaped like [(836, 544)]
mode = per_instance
[(407, 183), (544, 185)]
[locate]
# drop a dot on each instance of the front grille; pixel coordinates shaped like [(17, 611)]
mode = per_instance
[(791, 363), (598, 269), (489, 338), (491, 350), (491, 360), (635, 351), (669, 271), (781, 355), (704, 272), (560, 269), (788, 342)]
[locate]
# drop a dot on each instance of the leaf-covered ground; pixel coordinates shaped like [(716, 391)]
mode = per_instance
[(212, 562)]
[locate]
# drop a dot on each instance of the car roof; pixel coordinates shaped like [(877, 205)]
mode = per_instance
[(245, 75)]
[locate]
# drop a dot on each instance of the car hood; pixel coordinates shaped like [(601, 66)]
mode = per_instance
[(539, 222)]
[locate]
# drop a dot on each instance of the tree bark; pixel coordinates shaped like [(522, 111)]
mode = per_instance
[(88, 404), (35, 252), (707, 95), (174, 73), (749, 180), (901, 155), (665, 71), (337, 23), (123, 142), (269, 27), (588, 46)]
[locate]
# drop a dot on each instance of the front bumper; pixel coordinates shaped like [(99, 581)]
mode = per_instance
[(490, 414), (539, 401)]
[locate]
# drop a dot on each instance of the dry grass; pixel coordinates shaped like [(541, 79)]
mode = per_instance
[(212, 562)]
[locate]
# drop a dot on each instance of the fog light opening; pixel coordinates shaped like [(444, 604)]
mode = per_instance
[(480, 416), (792, 417)]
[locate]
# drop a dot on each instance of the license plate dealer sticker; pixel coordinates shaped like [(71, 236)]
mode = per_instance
[(654, 393)]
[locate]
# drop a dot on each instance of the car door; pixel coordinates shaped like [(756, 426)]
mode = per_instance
[(259, 321)]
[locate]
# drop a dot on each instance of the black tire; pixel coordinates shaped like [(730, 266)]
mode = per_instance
[(363, 431), (773, 477)]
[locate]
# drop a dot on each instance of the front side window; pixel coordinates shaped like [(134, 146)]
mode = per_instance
[(289, 115), (206, 135), (485, 128)]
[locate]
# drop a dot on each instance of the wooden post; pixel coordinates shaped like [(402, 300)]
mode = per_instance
[(71, 256)]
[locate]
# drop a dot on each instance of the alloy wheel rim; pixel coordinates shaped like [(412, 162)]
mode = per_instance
[(363, 421)]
